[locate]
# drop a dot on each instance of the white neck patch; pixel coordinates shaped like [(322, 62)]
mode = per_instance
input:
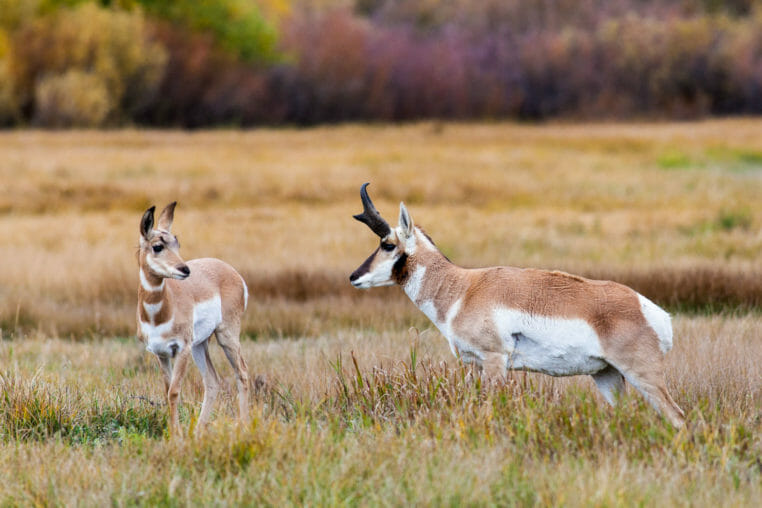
[(152, 309), (156, 332), (415, 283), (147, 285)]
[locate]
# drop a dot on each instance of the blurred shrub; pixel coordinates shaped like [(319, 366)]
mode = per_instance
[(347, 69), (8, 106), (110, 50), (328, 80), (15, 13), (455, 59), (193, 63), (72, 99), (237, 26), (684, 67), (203, 85)]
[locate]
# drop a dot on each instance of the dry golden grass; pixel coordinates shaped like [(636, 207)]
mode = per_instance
[(344, 415), (640, 203), (430, 439)]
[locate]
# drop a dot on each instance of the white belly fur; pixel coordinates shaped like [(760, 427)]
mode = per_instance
[(207, 316), (554, 346)]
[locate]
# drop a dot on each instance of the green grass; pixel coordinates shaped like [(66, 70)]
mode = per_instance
[(32, 409), (674, 159)]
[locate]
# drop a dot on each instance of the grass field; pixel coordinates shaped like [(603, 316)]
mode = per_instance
[(356, 397)]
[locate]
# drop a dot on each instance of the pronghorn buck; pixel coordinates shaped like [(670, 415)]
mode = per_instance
[(180, 305), (503, 318)]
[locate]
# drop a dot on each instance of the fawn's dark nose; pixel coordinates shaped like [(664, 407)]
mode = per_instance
[(184, 270)]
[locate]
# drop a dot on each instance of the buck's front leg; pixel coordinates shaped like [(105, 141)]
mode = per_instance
[(493, 367), (173, 395)]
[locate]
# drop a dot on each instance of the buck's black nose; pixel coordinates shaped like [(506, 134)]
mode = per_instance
[(353, 277)]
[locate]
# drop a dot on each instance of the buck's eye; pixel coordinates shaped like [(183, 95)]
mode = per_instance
[(387, 246), (158, 248)]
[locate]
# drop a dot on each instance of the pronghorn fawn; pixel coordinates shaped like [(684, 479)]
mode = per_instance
[(504, 318), (180, 305)]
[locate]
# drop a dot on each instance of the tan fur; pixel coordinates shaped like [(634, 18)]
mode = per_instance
[(629, 344), (209, 278), (612, 310)]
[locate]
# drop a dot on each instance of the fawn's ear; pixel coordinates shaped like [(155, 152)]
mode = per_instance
[(405, 222), (146, 223), (167, 216)]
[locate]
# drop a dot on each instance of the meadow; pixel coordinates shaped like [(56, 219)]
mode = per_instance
[(356, 397)]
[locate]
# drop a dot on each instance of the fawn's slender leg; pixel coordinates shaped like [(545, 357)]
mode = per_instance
[(173, 396), (209, 375), (229, 339)]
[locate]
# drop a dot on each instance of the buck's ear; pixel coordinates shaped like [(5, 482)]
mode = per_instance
[(146, 223), (167, 216), (406, 222)]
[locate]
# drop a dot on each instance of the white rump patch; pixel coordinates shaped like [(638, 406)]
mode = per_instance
[(551, 345), (659, 320), (245, 294), (207, 316)]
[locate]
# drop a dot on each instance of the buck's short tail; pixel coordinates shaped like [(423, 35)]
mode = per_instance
[(659, 320)]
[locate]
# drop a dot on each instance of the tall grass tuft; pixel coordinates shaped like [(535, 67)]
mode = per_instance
[(32, 409)]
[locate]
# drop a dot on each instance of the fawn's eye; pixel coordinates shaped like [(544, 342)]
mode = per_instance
[(158, 248), (387, 246)]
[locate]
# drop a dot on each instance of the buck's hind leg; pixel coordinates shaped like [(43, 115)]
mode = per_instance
[(228, 337), (653, 388), (209, 375), (610, 383), (648, 379)]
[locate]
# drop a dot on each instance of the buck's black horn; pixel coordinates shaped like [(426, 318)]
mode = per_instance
[(370, 215)]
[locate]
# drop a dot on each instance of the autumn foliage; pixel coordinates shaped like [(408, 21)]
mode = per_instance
[(233, 62)]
